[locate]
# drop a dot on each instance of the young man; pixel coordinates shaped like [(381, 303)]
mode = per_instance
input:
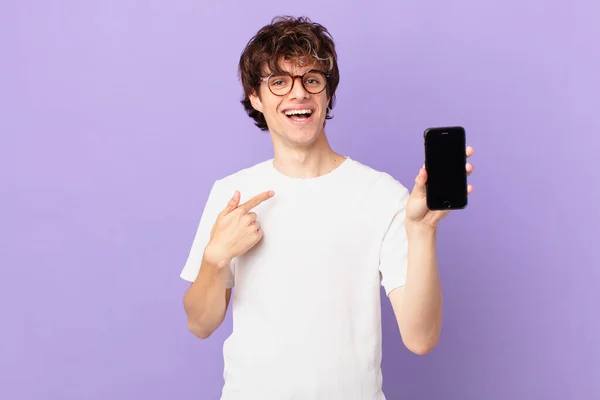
[(307, 239)]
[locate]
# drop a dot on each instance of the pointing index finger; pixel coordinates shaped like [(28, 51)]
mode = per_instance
[(256, 200)]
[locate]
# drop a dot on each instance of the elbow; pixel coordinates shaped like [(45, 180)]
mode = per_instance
[(420, 339), (199, 331), (193, 325), (197, 328), (422, 345), (420, 349)]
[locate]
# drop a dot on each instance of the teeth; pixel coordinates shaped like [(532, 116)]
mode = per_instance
[(296, 112)]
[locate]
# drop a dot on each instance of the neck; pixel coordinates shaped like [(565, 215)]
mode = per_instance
[(311, 161)]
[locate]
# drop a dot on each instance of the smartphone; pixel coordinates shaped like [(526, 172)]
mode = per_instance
[(445, 162)]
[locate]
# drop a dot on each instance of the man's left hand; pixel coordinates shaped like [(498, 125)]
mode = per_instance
[(417, 212)]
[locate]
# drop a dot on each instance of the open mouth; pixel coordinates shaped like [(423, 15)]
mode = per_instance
[(299, 115)]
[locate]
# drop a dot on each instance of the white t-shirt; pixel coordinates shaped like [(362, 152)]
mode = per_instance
[(306, 300)]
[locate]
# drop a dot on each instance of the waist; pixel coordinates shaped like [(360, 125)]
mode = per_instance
[(277, 370), (277, 385)]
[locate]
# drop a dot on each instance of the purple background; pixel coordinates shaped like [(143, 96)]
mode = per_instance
[(117, 116)]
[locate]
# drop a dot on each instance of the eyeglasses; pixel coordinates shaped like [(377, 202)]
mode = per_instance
[(313, 81)]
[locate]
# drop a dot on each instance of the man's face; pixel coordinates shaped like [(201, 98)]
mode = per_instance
[(284, 114)]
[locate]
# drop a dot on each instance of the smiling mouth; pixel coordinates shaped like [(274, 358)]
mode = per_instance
[(298, 115)]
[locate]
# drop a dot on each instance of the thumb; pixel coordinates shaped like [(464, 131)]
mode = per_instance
[(232, 204), (419, 190)]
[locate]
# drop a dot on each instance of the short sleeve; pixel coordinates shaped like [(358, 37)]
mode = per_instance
[(217, 200), (393, 263)]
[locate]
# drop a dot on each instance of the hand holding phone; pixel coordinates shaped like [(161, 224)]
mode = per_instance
[(445, 162)]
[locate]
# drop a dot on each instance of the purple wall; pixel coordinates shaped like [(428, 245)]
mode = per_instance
[(116, 117)]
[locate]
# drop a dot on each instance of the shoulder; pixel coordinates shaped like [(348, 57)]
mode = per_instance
[(234, 181), (383, 194), (380, 182)]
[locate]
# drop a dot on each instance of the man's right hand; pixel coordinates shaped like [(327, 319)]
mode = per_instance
[(236, 230)]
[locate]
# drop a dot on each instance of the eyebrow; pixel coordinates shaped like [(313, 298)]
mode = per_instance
[(281, 72)]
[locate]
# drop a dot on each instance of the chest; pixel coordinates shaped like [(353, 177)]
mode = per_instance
[(312, 237)]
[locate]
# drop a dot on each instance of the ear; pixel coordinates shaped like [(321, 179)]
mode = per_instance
[(256, 102)]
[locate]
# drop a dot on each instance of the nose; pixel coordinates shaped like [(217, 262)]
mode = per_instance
[(298, 91)]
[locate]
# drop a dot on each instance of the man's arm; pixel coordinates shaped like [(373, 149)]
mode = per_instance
[(235, 231), (418, 304), (207, 299)]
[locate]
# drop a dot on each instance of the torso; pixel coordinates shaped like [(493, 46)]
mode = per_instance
[(306, 300)]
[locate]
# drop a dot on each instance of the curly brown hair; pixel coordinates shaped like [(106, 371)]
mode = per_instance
[(290, 38)]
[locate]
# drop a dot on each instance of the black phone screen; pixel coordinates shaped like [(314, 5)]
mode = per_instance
[(445, 162)]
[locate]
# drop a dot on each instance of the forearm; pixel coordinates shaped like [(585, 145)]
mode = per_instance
[(205, 301), (422, 306)]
